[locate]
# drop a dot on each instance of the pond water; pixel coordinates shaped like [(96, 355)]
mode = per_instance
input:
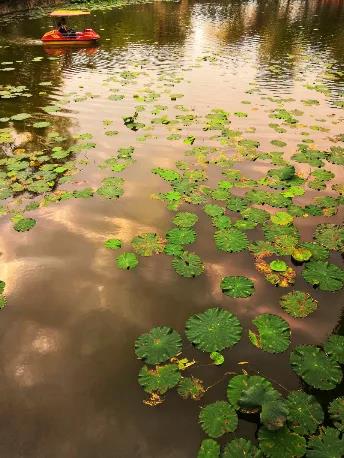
[(68, 368)]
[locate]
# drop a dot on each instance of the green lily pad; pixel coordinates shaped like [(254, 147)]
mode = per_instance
[(158, 345), (217, 358), (148, 244), (191, 388), (298, 304), (334, 347), (241, 448), (20, 117), (221, 222), (181, 236), (185, 219), (278, 265), (127, 261), (273, 333), (315, 368), (329, 444), (188, 265), (336, 411), (319, 253), (274, 414), (328, 277), (330, 236), (213, 210), (160, 379), (24, 224), (282, 218), (256, 215), (237, 286), (301, 254), (305, 413), (113, 244), (231, 240), (213, 330), (281, 443), (172, 249), (209, 449), (41, 124), (218, 418)]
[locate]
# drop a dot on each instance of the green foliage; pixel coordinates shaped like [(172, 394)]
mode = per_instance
[(282, 218), (328, 277), (213, 330), (185, 219), (158, 345), (191, 387), (241, 448), (336, 412), (231, 240), (188, 265), (319, 253), (218, 418), (167, 174), (273, 333), (281, 443), (113, 244), (148, 244), (255, 214), (181, 236), (111, 187), (305, 413), (284, 115), (127, 261), (217, 358), (213, 210), (315, 368), (301, 254), (237, 286), (24, 224), (334, 347), (298, 304), (160, 379), (328, 444), (330, 236), (209, 449), (274, 414), (278, 265)]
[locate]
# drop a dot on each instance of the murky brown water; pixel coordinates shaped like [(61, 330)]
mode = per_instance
[(68, 371)]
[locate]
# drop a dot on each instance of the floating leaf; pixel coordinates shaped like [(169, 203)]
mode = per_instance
[(329, 444), (305, 413), (173, 249), (328, 277), (217, 358), (191, 387), (221, 222), (231, 240), (181, 236), (20, 117), (319, 253), (213, 210), (24, 224), (281, 443), (111, 188), (336, 411), (158, 345), (185, 219), (209, 449), (188, 265), (218, 418), (301, 254), (41, 124), (213, 330), (315, 368), (160, 379), (148, 244), (330, 236), (241, 448), (334, 347), (127, 261), (282, 218), (274, 414), (255, 214), (278, 265), (237, 286), (298, 304), (113, 244), (273, 333)]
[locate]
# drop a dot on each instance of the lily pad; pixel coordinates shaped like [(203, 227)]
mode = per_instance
[(231, 240), (41, 124), (241, 448), (191, 387), (181, 236), (217, 358), (20, 117), (209, 449), (188, 265), (274, 414), (237, 286), (160, 379), (213, 210), (298, 304), (305, 413), (330, 236), (113, 244), (334, 347), (336, 411), (281, 443), (301, 254), (148, 244), (329, 444), (185, 219), (328, 277), (218, 418), (278, 265), (273, 333), (282, 218), (127, 261), (158, 345), (24, 224), (315, 368), (213, 330)]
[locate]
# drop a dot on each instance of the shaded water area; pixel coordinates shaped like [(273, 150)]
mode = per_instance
[(68, 369)]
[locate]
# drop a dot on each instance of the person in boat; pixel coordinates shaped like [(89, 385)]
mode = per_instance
[(62, 28)]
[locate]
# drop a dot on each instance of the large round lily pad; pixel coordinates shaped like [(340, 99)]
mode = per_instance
[(305, 412), (298, 304), (334, 347), (213, 330), (336, 411), (231, 240), (281, 443), (241, 448), (273, 333), (328, 277), (218, 418), (148, 244), (158, 345), (185, 219), (160, 379), (188, 265), (328, 444), (315, 367), (237, 286), (209, 449), (330, 236)]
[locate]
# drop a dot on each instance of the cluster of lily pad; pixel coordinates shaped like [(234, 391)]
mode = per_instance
[(290, 426)]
